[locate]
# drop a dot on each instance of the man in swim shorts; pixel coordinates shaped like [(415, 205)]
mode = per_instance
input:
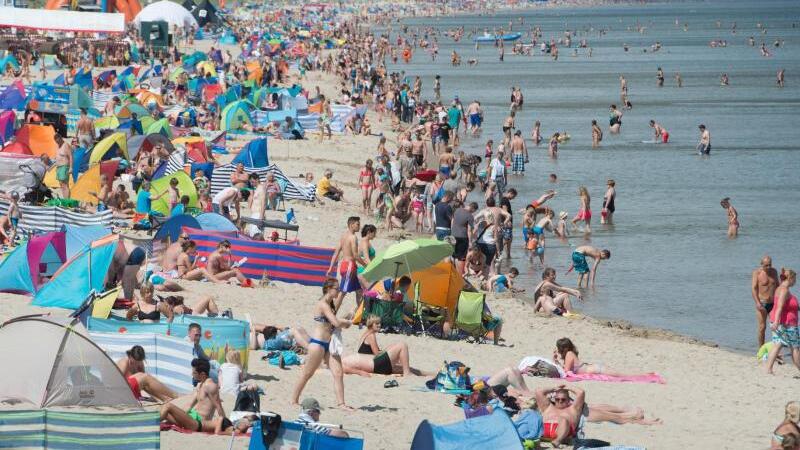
[(661, 135), (63, 165), (559, 416), (346, 254), (205, 402), (765, 281), (581, 266), (704, 146)]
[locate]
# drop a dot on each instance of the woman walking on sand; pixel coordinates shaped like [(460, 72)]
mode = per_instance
[(319, 345), (366, 179), (585, 210)]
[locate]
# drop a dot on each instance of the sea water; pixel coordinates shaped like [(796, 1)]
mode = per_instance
[(672, 265)]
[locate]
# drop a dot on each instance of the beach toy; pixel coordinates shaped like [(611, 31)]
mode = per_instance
[(763, 351)]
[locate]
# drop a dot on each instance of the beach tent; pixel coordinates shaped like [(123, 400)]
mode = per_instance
[(13, 96), (211, 221), (170, 12), (8, 62), (39, 138), (51, 362), (107, 123), (146, 142), (17, 148), (112, 146), (235, 115), (77, 237), (254, 154), (77, 278), (7, 119), (190, 61), (21, 271), (171, 229), (13, 178), (168, 358), (125, 111), (439, 285), (185, 187), (491, 431), (160, 126), (88, 181)]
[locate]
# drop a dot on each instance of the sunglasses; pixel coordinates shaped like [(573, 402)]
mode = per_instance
[(560, 400)]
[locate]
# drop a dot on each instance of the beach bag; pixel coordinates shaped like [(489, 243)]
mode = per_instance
[(270, 425), (248, 401), (544, 369), (453, 376)]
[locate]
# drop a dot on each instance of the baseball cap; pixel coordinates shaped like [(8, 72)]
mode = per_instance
[(310, 404)]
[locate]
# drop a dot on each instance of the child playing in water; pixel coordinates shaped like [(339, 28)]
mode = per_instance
[(561, 229), (585, 211), (502, 282)]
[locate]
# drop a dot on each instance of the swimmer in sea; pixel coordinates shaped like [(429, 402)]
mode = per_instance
[(733, 217), (607, 213), (615, 120), (597, 134), (724, 80), (704, 147), (779, 77), (678, 79), (659, 77), (661, 135), (536, 134)]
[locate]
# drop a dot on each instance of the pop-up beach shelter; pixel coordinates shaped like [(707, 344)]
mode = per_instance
[(78, 237), (254, 154), (235, 115), (87, 182), (13, 96), (21, 271), (185, 187), (492, 431), (39, 138), (7, 119), (51, 362), (113, 145), (77, 278)]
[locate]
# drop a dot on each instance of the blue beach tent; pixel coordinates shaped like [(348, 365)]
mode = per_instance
[(254, 154), (493, 431)]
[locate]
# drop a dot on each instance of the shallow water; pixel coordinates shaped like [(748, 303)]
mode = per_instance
[(672, 266)]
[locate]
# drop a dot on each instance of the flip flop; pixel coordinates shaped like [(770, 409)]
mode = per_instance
[(390, 384)]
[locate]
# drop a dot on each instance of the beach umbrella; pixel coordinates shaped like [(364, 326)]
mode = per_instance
[(406, 257)]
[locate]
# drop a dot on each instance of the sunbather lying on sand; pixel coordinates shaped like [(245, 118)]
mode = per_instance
[(371, 359), (566, 355)]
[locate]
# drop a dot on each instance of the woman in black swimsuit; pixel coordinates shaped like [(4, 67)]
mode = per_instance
[(371, 359), (608, 203), (147, 309)]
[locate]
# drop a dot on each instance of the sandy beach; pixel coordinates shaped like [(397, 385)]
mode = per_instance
[(713, 398)]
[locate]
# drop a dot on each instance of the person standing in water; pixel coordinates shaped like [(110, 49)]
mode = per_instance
[(765, 281), (733, 217), (581, 266), (536, 134), (659, 77), (661, 135), (704, 147), (585, 210), (623, 89), (779, 77), (597, 134), (607, 213), (615, 120), (519, 154), (678, 79)]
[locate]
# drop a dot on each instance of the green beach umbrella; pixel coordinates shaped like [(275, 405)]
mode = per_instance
[(406, 257)]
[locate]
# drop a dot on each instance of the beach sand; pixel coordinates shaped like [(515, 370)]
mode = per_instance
[(713, 398)]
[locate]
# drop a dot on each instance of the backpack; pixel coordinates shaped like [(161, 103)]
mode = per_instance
[(453, 376), (247, 400)]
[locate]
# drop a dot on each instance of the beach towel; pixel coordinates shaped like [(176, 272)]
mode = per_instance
[(646, 378)]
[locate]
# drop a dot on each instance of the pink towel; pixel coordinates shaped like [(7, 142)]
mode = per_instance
[(646, 378)]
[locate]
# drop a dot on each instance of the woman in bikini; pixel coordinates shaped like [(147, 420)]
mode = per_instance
[(536, 134), (585, 210), (147, 309), (566, 355), (370, 359), (366, 179), (319, 345)]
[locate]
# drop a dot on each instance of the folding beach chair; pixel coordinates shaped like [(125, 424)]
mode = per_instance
[(391, 313), (469, 314), (424, 314)]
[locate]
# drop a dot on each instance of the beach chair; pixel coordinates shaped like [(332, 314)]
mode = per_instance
[(391, 313), (426, 315), (469, 314)]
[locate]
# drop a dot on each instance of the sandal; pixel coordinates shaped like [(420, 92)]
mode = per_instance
[(390, 384)]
